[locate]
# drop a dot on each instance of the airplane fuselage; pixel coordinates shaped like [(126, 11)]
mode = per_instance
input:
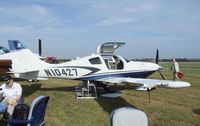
[(89, 71), (101, 67), (96, 66)]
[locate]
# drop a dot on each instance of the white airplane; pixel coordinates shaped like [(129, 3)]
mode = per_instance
[(104, 66)]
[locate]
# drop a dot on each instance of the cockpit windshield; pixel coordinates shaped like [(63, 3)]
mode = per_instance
[(3, 50)]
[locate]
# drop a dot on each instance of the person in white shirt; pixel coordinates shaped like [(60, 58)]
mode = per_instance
[(11, 93), (175, 69)]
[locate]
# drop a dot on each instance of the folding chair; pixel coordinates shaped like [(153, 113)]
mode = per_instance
[(36, 113)]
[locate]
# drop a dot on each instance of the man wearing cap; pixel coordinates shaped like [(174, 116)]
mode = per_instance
[(11, 93)]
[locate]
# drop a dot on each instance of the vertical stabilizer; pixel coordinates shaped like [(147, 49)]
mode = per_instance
[(16, 45)]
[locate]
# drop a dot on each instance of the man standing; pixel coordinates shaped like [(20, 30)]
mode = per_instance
[(11, 93), (175, 69)]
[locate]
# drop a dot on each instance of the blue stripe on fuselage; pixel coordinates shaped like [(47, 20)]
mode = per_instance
[(128, 74)]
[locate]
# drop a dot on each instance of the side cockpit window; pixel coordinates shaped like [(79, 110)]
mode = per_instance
[(113, 62), (95, 60)]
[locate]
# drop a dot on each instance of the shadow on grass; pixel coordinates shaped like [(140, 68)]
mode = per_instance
[(196, 111), (72, 88), (123, 87), (66, 88), (109, 104), (30, 89)]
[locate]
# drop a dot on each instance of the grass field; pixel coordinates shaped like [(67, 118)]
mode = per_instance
[(168, 107)]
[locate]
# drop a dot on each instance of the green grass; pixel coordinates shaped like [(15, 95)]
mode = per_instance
[(168, 107)]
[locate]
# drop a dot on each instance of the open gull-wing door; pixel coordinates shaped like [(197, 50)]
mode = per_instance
[(109, 47)]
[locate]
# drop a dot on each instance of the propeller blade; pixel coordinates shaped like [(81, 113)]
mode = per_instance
[(157, 60), (161, 75), (40, 47), (157, 56)]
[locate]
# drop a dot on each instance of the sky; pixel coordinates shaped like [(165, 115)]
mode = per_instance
[(75, 28)]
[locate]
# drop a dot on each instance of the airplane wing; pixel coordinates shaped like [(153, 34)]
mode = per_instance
[(147, 83)]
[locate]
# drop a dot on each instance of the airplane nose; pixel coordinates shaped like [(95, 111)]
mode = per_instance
[(155, 66), (186, 84)]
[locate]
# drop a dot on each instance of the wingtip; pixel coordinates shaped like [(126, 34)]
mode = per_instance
[(187, 84), (179, 84)]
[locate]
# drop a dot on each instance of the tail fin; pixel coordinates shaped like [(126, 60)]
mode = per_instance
[(16, 45), (26, 64)]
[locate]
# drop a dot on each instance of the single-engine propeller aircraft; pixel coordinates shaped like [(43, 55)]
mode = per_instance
[(93, 70)]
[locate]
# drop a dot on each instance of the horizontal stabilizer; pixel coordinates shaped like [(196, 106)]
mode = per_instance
[(32, 75)]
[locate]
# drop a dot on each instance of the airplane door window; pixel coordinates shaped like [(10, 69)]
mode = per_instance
[(95, 60)]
